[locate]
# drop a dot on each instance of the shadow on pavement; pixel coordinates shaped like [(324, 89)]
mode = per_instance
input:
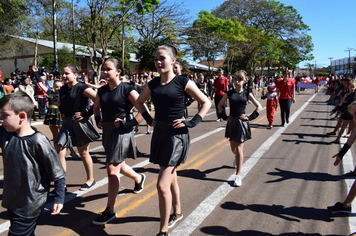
[(223, 231), (295, 213), (309, 176)]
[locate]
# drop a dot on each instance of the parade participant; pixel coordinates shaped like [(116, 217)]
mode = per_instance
[(201, 86), (272, 103), (238, 127), (170, 140), (53, 117), (346, 117), (345, 206), (220, 87), (286, 95), (188, 100), (30, 163), (340, 106), (77, 128), (115, 100)]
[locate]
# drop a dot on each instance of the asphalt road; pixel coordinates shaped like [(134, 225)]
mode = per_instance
[(288, 181)]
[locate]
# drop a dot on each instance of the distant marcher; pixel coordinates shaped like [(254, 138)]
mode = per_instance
[(238, 123)]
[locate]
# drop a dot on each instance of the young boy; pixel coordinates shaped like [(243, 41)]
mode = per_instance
[(30, 163), (272, 103)]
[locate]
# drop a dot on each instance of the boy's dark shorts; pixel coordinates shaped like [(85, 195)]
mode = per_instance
[(21, 226)]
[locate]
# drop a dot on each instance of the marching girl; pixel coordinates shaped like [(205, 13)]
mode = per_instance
[(238, 127), (115, 100), (170, 140), (77, 128)]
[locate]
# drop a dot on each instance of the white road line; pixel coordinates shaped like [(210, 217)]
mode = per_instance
[(205, 208)]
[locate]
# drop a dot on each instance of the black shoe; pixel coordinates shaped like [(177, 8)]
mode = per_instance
[(162, 234), (339, 208), (86, 186), (105, 217), (350, 175), (283, 125), (287, 121), (139, 186), (174, 218)]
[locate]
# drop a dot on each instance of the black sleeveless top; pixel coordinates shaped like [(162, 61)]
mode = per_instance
[(168, 99), (115, 103), (72, 99), (238, 102)]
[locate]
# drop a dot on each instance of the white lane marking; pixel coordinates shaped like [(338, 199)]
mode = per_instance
[(205, 208)]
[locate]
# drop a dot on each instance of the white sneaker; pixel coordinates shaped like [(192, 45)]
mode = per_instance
[(238, 181), (234, 163), (218, 120)]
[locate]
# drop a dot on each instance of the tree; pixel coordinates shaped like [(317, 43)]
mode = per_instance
[(12, 15), (271, 18), (104, 21), (163, 25), (65, 57), (210, 36)]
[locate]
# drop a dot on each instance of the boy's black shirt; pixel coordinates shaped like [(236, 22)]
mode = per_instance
[(30, 164)]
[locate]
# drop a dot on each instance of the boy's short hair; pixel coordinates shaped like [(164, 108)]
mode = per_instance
[(18, 102)]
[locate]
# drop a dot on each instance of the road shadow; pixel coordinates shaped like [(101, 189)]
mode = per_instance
[(317, 111), (223, 231), (319, 126), (202, 175), (78, 220), (294, 214), (309, 176)]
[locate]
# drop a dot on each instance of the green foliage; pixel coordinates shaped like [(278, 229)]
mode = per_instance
[(281, 38), (65, 57), (210, 36)]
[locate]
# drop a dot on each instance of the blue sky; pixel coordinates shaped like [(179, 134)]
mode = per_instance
[(331, 22)]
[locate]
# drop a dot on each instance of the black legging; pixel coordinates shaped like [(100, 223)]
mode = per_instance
[(285, 109), (217, 99)]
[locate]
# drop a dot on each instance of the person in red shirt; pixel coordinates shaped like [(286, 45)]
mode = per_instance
[(220, 87), (286, 94)]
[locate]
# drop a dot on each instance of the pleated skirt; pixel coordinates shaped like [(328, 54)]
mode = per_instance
[(76, 133), (169, 146), (238, 130), (118, 144)]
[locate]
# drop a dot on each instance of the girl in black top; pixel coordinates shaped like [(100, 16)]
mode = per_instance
[(170, 140), (77, 129), (238, 127), (116, 100)]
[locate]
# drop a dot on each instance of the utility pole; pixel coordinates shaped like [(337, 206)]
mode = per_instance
[(73, 33), (123, 37), (315, 69), (348, 68), (330, 58), (55, 31)]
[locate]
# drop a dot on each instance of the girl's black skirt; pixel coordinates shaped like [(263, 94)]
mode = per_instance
[(119, 144), (76, 133), (53, 116), (169, 146), (238, 130)]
